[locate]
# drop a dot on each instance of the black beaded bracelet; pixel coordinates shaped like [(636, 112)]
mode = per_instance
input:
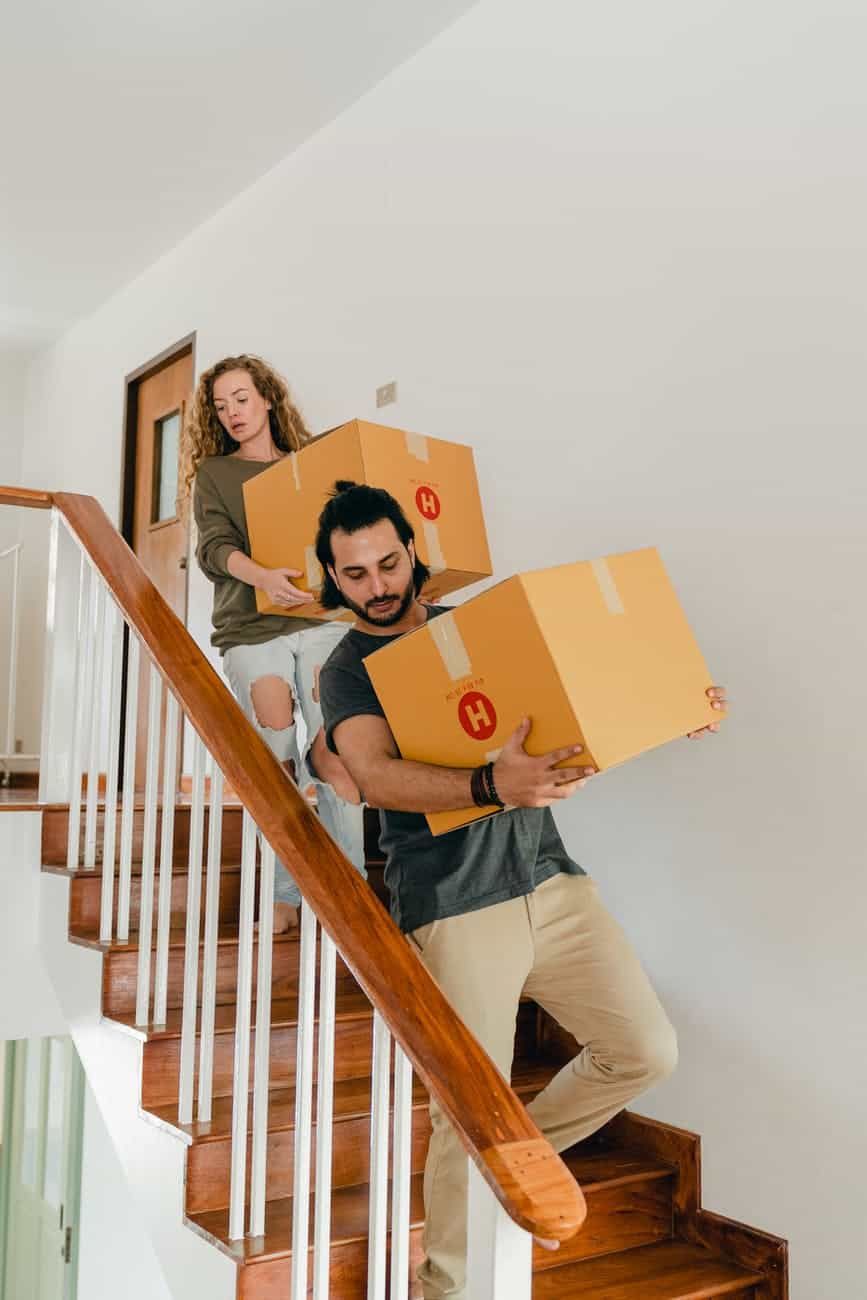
[(478, 789), (490, 787)]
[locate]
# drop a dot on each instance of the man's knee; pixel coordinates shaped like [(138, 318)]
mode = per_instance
[(272, 703), (656, 1049)]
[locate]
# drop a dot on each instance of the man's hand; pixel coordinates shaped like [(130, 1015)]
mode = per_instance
[(280, 591), (526, 782), (717, 697)]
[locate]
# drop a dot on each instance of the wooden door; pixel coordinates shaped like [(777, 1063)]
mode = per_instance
[(44, 1172), (157, 533)]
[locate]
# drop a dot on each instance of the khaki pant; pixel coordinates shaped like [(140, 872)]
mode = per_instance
[(559, 946)]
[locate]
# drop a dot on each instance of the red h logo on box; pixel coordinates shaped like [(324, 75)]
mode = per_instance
[(428, 503), (477, 715)]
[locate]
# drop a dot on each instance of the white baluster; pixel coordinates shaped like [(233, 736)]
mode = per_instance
[(209, 961), (500, 1254), (167, 847), (62, 632), (12, 680), (109, 826), (401, 1173), (262, 1054), (379, 1099), (324, 1119), (87, 589), (244, 986), (191, 941), (303, 1102), (149, 849), (96, 708), (133, 662)]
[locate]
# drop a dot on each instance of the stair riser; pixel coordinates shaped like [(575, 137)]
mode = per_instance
[(348, 1274), (161, 1060), (618, 1219), (85, 902), (209, 1163), (55, 830), (120, 975)]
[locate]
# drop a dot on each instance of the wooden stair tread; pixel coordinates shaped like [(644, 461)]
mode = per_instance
[(178, 869), (227, 935), (595, 1168), (231, 804), (349, 1223), (668, 1270), (351, 1101), (351, 1005)]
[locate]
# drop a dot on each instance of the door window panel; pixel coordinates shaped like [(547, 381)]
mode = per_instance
[(32, 1107), (167, 434), (55, 1129)]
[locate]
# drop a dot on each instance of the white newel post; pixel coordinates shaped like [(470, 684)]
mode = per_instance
[(61, 642), (499, 1253)]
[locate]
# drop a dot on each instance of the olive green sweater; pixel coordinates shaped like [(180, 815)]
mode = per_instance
[(218, 506)]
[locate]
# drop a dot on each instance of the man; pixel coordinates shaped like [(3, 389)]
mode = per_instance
[(495, 909)]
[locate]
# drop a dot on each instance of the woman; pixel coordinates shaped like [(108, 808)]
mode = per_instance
[(243, 420)]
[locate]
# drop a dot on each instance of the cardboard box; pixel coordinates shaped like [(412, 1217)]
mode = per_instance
[(434, 481), (597, 653)]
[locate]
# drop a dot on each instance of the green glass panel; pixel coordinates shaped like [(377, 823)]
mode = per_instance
[(166, 447)]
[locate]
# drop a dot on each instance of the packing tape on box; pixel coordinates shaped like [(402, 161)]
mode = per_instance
[(416, 445), (436, 561), (314, 568), (448, 640), (607, 586), (296, 473)]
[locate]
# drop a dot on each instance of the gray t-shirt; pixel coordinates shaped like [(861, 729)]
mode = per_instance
[(430, 877)]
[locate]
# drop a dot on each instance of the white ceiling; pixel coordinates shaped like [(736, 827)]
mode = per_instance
[(125, 123)]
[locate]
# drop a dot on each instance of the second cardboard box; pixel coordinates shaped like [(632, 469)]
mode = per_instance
[(434, 481), (597, 653)]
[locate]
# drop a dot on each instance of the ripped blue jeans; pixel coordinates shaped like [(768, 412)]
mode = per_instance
[(296, 658)]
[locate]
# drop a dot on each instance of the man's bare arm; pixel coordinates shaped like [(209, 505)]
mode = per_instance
[(368, 748)]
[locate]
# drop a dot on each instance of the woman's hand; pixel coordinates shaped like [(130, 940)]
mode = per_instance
[(718, 700), (280, 591)]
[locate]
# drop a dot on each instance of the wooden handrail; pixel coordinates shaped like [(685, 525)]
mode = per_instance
[(12, 496), (529, 1179)]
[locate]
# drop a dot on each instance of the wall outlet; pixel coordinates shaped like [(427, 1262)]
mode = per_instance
[(387, 394)]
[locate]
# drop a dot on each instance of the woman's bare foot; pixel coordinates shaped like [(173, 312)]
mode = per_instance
[(285, 917)]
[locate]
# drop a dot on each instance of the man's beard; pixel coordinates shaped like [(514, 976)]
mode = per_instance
[(391, 614)]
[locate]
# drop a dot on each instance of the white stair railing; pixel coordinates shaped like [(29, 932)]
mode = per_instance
[(12, 624), (87, 635)]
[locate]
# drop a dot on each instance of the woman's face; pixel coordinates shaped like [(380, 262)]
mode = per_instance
[(240, 407)]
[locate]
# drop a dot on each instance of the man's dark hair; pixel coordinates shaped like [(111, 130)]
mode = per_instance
[(353, 506)]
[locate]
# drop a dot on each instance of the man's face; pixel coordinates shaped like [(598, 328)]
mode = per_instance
[(374, 571)]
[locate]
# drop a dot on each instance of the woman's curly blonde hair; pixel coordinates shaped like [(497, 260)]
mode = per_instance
[(203, 435)]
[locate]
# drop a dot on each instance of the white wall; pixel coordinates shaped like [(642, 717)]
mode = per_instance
[(12, 367), (30, 528), (620, 249), (28, 1003), (113, 1244)]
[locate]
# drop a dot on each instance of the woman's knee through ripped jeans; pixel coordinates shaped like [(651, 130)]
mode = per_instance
[(274, 682)]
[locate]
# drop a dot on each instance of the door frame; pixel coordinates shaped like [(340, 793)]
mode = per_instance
[(72, 1161), (131, 384), (130, 423)]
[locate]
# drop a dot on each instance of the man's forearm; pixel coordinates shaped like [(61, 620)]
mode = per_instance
[(241, 566), (416, 787)]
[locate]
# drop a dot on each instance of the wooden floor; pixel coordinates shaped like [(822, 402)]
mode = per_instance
[(25, 795)]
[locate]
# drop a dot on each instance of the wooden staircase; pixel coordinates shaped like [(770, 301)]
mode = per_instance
[(646, 1236)]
